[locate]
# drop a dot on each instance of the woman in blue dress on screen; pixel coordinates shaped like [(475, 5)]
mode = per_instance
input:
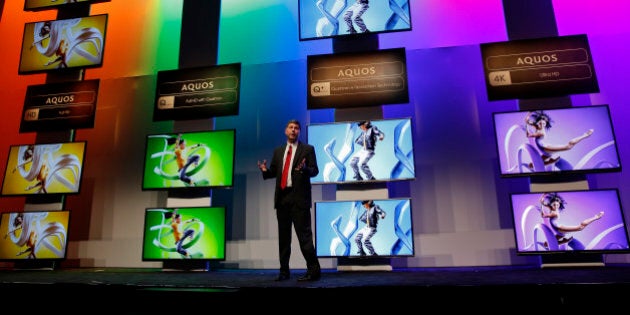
[(537, 123), (552, 204)]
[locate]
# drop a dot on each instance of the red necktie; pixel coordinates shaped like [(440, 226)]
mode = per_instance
[(285, 170)]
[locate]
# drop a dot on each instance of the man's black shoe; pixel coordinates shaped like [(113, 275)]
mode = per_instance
[(310, 277), (282, 277)]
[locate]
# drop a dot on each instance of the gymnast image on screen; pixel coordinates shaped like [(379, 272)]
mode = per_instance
[(370, 217), (537, 124), (58, 41), (370, 134), (180, 234), (188, 160), (175, 235), (395, 17), (347, 157), (575, 139), (42, 166), (184, 160), (354, 14), (340, 234), (589, 220), (551, 206), (31, 234), (41, 176)]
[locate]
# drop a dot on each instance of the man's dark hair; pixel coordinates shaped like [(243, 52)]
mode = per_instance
[(294, 121)]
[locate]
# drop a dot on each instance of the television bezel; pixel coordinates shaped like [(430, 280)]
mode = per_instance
[(69, 68), (372, 32), (79, 177), (569, 252), (352, 253), (350, 180), (66, 240), (189, 208), (554, 173), (59, 5), (201, 188)]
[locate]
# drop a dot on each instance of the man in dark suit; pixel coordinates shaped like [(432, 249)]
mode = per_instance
[(293, 200)]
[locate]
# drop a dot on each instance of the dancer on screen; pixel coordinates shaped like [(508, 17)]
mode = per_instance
[(537, 124), (370, 217), (354, 14), (552, 205), (370, 134)]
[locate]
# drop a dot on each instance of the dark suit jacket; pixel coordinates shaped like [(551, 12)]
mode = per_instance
[(301, 179)]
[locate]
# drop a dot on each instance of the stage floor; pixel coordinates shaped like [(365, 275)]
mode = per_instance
[(146, 290)]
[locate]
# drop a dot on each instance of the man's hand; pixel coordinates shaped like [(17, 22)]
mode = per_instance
[(262, 165), (301, 165)]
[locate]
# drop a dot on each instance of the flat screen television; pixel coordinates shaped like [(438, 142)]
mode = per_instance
[(34, 235), (63, 44), (36, 5), (187, 160), (333, 18), (35, 169), (184, 233), (345, 228), (342, 157), (561, 141), (573, 221)]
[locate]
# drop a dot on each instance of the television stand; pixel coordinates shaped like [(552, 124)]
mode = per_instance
[(578, 260), (185, 265), (363, 264), (35, 265)]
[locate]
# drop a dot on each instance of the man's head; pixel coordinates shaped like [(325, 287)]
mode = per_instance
[(292, 130)]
